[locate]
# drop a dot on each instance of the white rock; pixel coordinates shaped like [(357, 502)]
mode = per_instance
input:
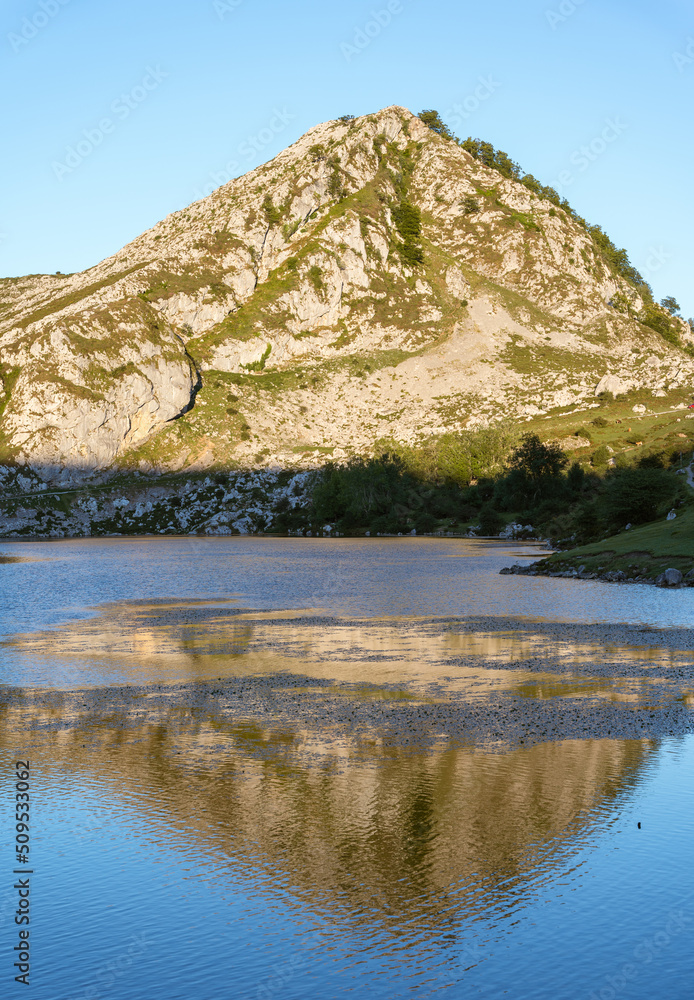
[(611, 383)]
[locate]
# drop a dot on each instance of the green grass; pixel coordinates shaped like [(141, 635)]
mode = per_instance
[(646, 550), (55, 305)]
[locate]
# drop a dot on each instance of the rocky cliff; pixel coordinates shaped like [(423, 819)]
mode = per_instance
[(372, 281)]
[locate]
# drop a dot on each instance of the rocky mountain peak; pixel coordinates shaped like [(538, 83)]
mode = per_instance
[(374, 280)]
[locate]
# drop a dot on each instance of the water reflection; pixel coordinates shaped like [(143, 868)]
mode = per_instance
[(144, 642), (323, 784), (413, 842)]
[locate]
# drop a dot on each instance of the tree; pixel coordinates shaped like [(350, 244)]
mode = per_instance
[(637, 495), (491, 522), (433, 120), (536, 460), (670, 303), (658, 319)]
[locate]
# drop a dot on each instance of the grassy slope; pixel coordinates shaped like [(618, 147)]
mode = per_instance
[(644, 551), (649, 549)]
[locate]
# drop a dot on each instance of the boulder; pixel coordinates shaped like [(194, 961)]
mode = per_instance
[(573, 442), (670, 578), (611, 383)]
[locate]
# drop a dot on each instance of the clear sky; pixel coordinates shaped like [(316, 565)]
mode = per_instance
[(595, 97)]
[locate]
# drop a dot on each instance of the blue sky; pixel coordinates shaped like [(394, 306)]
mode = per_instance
[(595, 96)]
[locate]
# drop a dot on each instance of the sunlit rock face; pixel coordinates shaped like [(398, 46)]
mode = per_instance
[(293, 310)]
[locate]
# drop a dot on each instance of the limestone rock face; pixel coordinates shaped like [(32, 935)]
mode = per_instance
[(574, 442), (66, 419), (340, 294), (196, 313)]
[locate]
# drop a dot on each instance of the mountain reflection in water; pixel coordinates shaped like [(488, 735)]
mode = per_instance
[(387, 835), (142, 642)]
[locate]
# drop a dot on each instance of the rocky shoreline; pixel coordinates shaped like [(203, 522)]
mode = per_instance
[(670, 577)]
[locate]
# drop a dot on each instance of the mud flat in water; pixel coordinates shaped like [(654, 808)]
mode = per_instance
[(487, 682)]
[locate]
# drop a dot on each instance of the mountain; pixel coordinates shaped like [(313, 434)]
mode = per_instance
[(375, 280)]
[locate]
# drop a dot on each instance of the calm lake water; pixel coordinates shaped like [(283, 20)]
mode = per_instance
[(183, 853)]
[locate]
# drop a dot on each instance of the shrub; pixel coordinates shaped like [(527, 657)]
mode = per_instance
[(600, 455), (316, 277), (656, 460), (408, 222), (272, 214), (491, 521), (257, 366), (433, 120)]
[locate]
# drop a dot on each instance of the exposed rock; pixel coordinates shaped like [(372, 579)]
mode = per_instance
[(670, 578), (611, 383), (574, 442), (456, 283), (197, 313)]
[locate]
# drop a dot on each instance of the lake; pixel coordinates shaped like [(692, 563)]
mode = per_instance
[(286, 768)]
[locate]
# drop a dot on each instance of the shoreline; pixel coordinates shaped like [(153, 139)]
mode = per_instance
[(662, 572)]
